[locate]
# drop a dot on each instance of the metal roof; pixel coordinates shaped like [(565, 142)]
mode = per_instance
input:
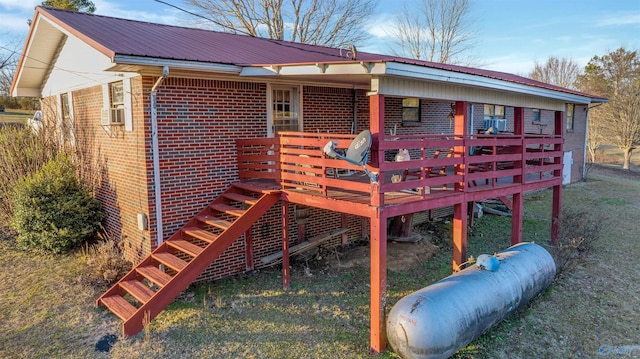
[(121, 37)]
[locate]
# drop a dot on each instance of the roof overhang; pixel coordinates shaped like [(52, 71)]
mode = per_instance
[(37, 58), (372, 69), (140, 63)]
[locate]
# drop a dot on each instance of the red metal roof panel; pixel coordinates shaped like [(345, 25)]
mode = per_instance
[(115, 36)]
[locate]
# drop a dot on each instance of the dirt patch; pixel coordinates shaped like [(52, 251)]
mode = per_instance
[(400, 256)]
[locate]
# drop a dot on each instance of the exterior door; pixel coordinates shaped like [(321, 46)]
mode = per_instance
[(284, 110)]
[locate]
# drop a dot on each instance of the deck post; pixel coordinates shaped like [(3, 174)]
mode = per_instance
[(248, 249), (460, 209), (516, 218), (460, 132), (556, 210), (459, 235), (378, 254), (518, 131), (345, 224), (286, 279), (555, 213), (376, 126)]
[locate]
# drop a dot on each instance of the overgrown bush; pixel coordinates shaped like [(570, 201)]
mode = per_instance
[(579, 230), (53, 211), (105, 262), (22, 153)]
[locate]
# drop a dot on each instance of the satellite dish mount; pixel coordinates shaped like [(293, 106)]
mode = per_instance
[(357, 153)]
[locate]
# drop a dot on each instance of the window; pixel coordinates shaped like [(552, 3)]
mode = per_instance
[(570, 111), (65, 120), (494, 111), (116, 89), (285, 109), (116, 92), (411, 109)]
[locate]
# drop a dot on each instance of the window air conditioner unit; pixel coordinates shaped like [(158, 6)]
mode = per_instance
[(112, 117), (499, 124)]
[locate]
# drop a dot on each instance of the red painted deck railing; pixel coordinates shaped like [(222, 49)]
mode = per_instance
[(437, 162)]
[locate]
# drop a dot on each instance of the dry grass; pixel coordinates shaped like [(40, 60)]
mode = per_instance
[(47, 310)]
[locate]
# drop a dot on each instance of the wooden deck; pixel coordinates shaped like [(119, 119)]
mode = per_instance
[(503, 165)]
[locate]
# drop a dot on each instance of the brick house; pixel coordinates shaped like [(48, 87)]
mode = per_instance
[(177, 118)]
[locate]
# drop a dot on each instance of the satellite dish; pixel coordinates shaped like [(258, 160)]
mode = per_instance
[(357, 153), (359, 148)]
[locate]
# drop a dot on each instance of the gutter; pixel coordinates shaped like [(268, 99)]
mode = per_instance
[(156, 156)]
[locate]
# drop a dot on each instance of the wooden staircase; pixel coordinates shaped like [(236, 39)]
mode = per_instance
[(158, 279)]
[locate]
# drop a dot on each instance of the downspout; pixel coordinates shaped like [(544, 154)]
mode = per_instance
[(156, 156), (354, 122)]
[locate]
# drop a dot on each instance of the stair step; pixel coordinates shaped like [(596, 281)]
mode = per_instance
[(214, 221), (225, 208), (119, 306), (138, 290), (154, 274), (199, 233), (256, 188), (240, 198), (170, 260), (185, 246)]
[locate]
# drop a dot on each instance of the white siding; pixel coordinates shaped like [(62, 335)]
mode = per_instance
[(401, 87), (79, 66)]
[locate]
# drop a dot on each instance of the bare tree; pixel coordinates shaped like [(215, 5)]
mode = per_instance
[(595, 136), (435, 30), (560, 72), (9, 53), (616, 76), (318, 22)]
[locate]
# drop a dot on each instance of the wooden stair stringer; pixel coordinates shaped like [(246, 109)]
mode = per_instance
[(183, 278)]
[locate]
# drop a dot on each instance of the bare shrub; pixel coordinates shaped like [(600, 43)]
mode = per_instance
[(579, 230), (105, 262), (22, 152), (25, 150)]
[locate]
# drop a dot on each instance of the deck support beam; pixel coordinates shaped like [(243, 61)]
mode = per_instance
[(516, 218), (459, 235), (556, 210), (518, 199), (377, 233), (248, 249), (460, 209), (378, 254), (286, 275)]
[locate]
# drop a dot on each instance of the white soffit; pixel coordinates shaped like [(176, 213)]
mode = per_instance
[(39, 53), (353, 68), (402, 87), (439, 75)]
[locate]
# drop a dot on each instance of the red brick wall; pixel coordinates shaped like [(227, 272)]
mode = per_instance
[(198, 123), (121, 158)]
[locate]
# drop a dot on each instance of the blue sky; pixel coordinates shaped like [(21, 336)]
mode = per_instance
[(511, 34)]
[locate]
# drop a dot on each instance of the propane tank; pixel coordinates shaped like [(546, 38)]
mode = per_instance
[(436, 321)]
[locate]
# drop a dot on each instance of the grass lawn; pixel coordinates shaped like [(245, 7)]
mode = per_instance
[(15, 116), (47, 309)]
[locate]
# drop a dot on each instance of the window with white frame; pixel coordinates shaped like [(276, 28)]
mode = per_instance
[(285, 114), (116, 92)]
